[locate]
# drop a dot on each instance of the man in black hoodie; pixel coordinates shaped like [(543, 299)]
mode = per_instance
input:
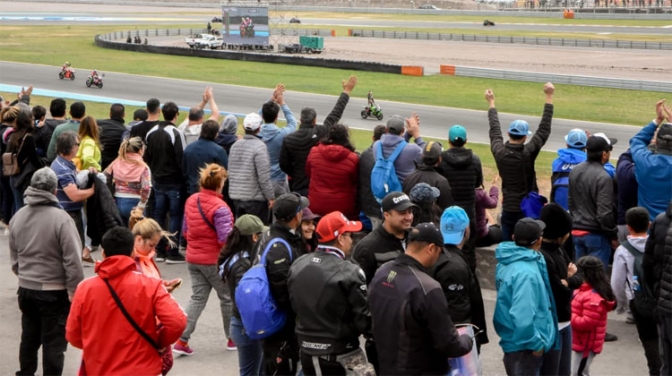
[(515, 159), (464, 172), (111, 132), (296, 146)]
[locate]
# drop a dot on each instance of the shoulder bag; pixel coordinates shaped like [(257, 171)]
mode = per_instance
[(10, 161)]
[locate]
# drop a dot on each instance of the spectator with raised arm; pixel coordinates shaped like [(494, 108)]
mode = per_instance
[(515, 159), (398, 131), (191, 126), (297, 145), (273, 136)]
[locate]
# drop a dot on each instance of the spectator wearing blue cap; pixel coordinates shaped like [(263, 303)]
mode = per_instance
[(567, 159), (464, 172), (427, 173), (654, 167), (514, 155), (458, 282)]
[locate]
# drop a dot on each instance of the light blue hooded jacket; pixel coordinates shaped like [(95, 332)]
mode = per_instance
[(273, 136), (525, 315)]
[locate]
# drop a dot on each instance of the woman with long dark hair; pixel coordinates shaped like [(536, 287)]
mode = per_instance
[(22, 143), (234, 260), (8, 116), (333, 169), (590, 307)]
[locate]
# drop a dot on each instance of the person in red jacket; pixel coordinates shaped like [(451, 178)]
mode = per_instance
[(122, 351), (333, 170), (590, 306), (207, 223)]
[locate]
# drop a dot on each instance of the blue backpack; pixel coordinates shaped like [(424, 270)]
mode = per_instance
[(258, 311), (384, 176)]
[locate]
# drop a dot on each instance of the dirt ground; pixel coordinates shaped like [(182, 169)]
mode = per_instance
[(647, 65)]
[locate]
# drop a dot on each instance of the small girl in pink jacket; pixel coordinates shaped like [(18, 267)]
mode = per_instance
[(590, 306)]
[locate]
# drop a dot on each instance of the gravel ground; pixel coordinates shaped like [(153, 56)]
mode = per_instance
[(647, 65)]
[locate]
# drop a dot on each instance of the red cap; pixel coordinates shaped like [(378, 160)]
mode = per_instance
[(334, 224)]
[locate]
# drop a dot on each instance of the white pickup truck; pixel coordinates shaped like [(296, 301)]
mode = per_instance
[(204, 41)]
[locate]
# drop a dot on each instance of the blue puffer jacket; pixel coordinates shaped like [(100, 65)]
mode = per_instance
[(273, 138), (653, 172), (525, 314), (567, 159)]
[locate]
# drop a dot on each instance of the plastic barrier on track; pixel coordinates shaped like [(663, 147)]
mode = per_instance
[(412, 70), (447, 70)]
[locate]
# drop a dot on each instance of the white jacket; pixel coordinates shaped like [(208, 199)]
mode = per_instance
[(622, 271)]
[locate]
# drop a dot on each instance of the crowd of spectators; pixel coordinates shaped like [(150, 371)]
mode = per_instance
[(289, 200)]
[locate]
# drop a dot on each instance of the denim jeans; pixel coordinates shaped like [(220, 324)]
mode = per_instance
[(250, 354), (169, 199), (203, 279), (522, 363), (597, 245), (559, 362), (509, 220), (43, 318), (18, 199), (126, 205)]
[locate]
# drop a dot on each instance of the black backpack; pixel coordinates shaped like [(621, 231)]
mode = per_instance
[(644, 299)]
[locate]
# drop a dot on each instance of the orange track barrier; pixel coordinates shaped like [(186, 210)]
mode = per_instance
[(412, 70), (333, 33), (349, 32), (448, 69)]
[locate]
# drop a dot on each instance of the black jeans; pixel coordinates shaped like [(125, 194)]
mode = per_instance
[(647, 330), (257, 208), (509, 220), (326, 367), (522, 363), (43, 318)]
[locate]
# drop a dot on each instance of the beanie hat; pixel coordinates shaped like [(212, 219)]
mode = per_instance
[(558, 221)]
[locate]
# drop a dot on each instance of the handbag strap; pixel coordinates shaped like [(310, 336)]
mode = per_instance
[(135, 326), (200, 210)]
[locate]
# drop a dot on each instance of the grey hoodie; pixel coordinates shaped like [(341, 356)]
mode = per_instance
[(411, 156), (622, 270), (44, 246)]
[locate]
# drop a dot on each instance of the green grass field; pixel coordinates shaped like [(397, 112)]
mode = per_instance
[(52, 45)]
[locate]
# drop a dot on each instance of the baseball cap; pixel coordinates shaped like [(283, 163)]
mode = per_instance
[(527, 231), (249, 224), (454, 222), (334, 224), (426, 232), (289, 205), (612, 141), (665, 131), (431, 153), (252, 121), (576, 138), (519, 128), (396, 124), (457, 132), (424, 193), (398, 201), (558, 222), (600, 142), (308, 215)]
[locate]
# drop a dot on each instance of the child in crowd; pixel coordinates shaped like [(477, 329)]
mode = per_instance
[(624, 285), (590, 306), (234, 260)]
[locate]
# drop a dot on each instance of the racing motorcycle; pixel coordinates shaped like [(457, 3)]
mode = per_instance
[(96, 82), (372, 111), (70, 73)]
